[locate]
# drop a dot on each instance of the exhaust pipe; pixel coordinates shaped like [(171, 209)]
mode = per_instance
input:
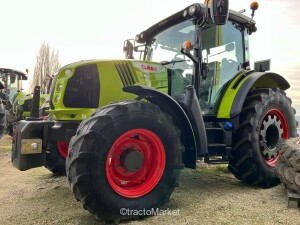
[(34, 112)]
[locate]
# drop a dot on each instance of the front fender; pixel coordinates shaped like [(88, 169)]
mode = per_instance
[(180, 119), (236, 93)]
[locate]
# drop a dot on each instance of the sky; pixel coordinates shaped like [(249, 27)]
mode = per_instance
[(94, 29)]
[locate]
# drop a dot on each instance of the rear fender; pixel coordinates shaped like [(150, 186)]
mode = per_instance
[(236, 93)]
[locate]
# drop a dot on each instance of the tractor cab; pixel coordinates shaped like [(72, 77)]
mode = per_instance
[(10, 83), (218, 52)]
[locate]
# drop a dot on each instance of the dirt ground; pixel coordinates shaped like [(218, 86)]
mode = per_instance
[(208, 195)]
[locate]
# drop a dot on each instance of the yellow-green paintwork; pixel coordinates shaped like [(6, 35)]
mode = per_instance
[(230, 94), (18, 95), (144, 73), (21, 98), (265, 80), (228, 97), (16, 98)]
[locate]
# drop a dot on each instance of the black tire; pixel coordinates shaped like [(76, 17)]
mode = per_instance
[(288, 167), (266, 118), (55, 161), (10, 129), (2, 119), (97, 136)]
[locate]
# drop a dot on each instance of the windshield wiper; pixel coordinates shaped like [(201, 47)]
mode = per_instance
[(173, 61)]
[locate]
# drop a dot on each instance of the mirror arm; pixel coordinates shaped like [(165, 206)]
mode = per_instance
[(187, 52)]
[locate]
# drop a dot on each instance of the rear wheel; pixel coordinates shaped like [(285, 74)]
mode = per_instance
[(266, 119), (56, 157), (127, 155)]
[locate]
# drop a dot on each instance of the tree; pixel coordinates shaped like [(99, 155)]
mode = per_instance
[(47, 64)]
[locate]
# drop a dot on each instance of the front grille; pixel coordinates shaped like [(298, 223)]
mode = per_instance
[(83, 88), (125, 73)]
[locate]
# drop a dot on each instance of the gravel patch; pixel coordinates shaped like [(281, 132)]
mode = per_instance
[(208, 195)]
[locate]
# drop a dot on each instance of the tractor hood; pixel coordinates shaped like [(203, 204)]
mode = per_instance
[(71, 99), (129, 72)]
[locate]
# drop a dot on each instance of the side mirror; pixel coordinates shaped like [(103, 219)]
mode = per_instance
[(128, 49), (219, 11)]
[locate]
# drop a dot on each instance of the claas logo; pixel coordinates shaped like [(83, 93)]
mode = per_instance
[(147, 67)]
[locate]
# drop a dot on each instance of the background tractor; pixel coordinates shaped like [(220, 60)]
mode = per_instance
[(191, 94), (15, 104), (10, 92)]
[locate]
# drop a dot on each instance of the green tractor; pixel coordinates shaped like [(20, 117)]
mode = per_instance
[(126, 128), (10, 91), (15, 104)]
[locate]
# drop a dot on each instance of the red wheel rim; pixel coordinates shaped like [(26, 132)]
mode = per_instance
[(142, 143), (280, 119), (63, 148)]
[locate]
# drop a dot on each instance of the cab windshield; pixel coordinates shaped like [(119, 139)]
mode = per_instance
[(165, 48), (11, 84), (224, 50)]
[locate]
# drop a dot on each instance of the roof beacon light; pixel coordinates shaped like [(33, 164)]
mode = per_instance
[(254, 7)]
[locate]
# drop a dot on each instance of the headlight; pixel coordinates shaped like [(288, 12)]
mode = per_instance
[(60, 87), (195, 10), (21, 102), (192, 10), (57, 99), (68, 73)]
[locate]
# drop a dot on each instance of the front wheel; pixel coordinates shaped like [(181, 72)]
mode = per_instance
[(265, 120), (56, 157), (127, 155)]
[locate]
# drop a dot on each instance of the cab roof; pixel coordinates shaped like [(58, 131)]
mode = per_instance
[(7, 71), (178, 17)]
